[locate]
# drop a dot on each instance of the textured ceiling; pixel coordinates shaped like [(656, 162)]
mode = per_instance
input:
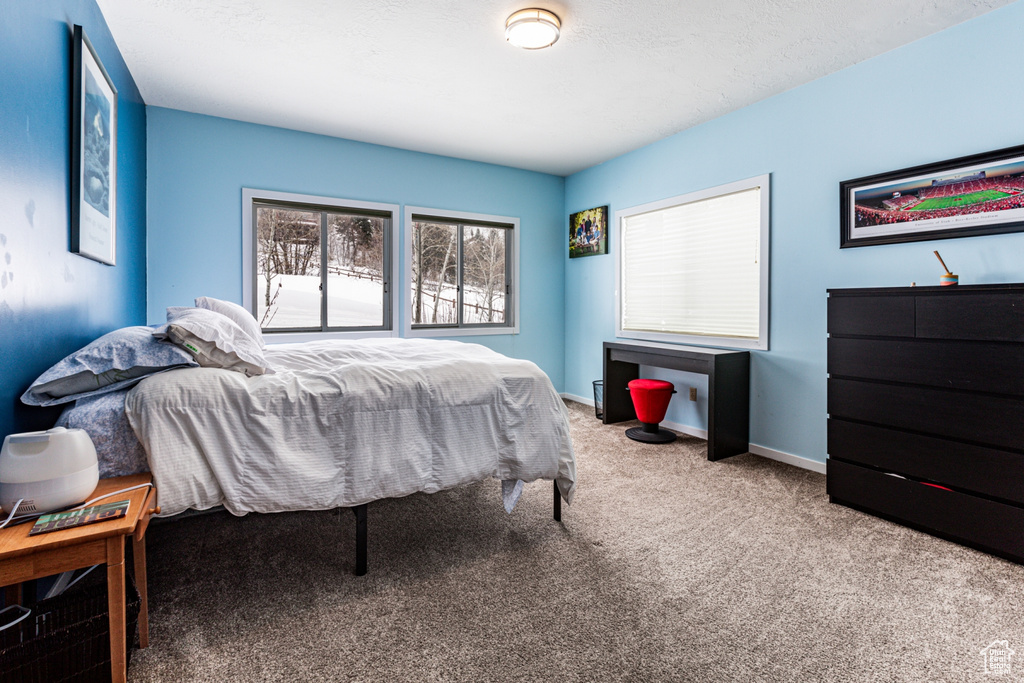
[(437, 76)]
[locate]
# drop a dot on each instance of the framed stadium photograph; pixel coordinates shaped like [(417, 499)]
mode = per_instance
[(982, 194), (94, 156)]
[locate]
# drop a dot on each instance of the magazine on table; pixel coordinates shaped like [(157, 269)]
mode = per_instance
[(59, 521)]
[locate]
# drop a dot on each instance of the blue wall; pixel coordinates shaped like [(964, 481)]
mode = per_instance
[(53, 301), (945, 96), (198, 166)]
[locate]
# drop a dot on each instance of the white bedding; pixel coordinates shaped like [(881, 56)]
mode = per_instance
[(343, 423)]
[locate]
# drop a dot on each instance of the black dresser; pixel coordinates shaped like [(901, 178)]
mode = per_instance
[(926, 410)]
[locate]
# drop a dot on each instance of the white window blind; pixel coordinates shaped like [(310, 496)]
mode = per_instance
[(693, 268)]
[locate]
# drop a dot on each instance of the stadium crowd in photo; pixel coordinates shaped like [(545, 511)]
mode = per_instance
[(955, 196)]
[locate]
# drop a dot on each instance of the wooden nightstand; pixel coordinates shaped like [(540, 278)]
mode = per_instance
[(24, 557)]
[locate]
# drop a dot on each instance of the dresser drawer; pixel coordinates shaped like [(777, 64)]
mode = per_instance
[(991, 316), (971, 366), (977, 522), (989, 471), (888, 316), (977, 418)]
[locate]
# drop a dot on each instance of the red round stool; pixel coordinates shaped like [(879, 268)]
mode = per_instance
[(650, 398)]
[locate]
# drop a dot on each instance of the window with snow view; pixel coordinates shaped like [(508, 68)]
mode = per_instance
[(460, 272), (321, 267)]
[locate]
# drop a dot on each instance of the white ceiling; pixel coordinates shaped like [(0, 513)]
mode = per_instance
[(437, 75)]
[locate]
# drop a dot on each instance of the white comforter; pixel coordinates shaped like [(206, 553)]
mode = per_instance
[(343, 423)]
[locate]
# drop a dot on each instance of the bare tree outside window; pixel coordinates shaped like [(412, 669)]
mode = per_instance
[(483, 300), (355, 270), (458, 268), (435, 278), (288, 263), (294, 291)]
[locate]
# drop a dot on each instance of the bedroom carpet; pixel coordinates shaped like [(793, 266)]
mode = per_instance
[(666, 567)]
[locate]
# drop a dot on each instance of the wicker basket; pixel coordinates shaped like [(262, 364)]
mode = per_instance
[(67, 638)]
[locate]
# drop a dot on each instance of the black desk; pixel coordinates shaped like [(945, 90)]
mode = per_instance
[(728, 387)]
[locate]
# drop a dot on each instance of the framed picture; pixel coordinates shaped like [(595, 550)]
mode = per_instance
[(588, 232), (93, 156), (981, 194)]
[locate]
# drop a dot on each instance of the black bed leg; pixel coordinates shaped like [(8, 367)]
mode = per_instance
[(558, 504), (360, 512)]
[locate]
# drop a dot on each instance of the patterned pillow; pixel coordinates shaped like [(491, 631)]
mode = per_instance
[(117, 360), (102, 417)]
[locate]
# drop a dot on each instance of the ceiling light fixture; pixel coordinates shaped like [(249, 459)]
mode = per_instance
[(532, 29)]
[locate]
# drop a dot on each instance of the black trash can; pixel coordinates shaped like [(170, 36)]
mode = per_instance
[(599, 398)]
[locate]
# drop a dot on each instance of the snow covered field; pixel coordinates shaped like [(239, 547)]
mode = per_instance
[(354, 302), (351, 301)]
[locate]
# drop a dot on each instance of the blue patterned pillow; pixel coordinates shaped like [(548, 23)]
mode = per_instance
[(117, 360), (102, 417)]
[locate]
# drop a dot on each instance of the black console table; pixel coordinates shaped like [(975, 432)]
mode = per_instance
[(728, 387)]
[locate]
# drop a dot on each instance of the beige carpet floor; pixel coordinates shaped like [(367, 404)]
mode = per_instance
[(667, 567)]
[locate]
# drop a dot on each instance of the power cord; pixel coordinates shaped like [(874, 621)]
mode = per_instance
[(20, 519), (25, 518)]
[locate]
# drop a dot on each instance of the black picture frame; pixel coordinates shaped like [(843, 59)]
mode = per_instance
[(93, 155), (905, 216)]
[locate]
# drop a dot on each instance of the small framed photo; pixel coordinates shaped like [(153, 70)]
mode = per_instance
[(94, 156), (981, 194), (588, 232)]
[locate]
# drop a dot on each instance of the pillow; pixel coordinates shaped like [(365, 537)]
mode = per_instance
[(214, 340), (117, 360), (238, 315), (102, 417)]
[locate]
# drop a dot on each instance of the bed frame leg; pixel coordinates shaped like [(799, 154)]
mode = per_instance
[(360, 513), (558, 504)]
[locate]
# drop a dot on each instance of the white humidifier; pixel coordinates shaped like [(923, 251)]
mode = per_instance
[(47, 470)]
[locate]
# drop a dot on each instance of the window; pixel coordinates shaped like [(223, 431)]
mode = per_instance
[(317, 264), (460, 273), (694, 268)]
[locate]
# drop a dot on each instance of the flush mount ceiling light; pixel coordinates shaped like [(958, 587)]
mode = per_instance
[(532, 29)]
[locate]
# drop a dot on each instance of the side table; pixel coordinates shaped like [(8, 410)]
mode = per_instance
[(24, 557)]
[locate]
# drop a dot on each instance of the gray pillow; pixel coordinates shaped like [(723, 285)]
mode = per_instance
[(238, 315), (117, 360), (102, 417), (214, 340)]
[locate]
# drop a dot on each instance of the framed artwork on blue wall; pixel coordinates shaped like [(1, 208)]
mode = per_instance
[(93, 156), (588, 232), (981, 194)]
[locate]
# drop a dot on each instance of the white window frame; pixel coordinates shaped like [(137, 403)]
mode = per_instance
[(407, 329), (250, 195), (761, 343)]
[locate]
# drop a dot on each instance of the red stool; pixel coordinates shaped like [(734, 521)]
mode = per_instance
[(650, 398)]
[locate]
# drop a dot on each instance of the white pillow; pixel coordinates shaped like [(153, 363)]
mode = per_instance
[(239, 315), (214, 340)]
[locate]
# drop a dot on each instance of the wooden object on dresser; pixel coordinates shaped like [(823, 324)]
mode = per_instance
[(24, 557), (927, 383)]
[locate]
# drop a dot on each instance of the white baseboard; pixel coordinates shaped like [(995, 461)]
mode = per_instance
[(684, 429), (763, 451), (788, 458)]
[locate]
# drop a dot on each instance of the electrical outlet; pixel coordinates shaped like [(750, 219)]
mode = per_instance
[(693, 393)]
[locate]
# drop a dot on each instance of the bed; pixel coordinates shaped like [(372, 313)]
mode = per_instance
[(336, 424)]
